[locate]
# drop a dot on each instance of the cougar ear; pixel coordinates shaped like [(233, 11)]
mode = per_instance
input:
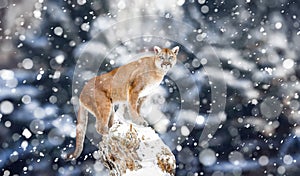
[(157, 49), (175, 50)]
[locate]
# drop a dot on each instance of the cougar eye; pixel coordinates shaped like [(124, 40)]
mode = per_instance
[(161, 57), (171, 57)]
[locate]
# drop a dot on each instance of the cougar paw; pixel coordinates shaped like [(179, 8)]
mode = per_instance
[(145, 123), (102, 130), (142, 123)]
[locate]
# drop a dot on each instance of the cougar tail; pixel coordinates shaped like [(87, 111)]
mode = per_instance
[(82, 120)]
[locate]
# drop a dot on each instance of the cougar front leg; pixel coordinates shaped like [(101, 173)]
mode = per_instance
[(139, 107), (103, 115), (111, 119), (140, 104), (133, 99)]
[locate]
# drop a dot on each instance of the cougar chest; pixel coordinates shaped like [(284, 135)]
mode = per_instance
[(148, 88)]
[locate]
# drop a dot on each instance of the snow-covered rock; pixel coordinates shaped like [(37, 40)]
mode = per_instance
[(134, 150)]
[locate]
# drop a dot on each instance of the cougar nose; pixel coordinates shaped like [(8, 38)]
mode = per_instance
[(166, 64)]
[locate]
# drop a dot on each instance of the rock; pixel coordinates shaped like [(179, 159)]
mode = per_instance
[(135, 150)]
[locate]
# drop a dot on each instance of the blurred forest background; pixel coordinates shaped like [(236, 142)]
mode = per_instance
[(238, 71)]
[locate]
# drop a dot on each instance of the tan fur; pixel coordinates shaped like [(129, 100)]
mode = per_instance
[(129, 83)]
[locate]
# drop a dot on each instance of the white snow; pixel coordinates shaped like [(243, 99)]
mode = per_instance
[(150, 147), (147, 171), (27, 63), (207, 157), (288, 63), (26, 133), (6, 107), (58, 31)]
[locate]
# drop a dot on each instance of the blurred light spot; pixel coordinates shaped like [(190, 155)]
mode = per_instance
[(6, 107), (6, 173), (14, 156), (37, 126), (58, 31), (269, 70), (60, 59), (233, 131), (297, 131), (27, 63), (203, 61), (81, 2), (12, 83), (56, 74), (204, 9), (38, 5), (22, 37), (262, 29), (39, 112), (271, 108), (37, 14), (294, 104), (195, 63), (278, 25), (24, 145), (7, 74), (218, 173), (16, 137), (53, 99), (281, 170), (263, 160), (185, 155), (3, 3), (199, 37), (55, 137), (185, 131), (180, 2), (210, 136), (74, 100), (7, 124), (26, 133), (85, 27), (201, 1), (50, 110), (200, 120), (72, 43), (288, 63), (112, 62), (207, 157), (288, 159), (35, 142), (39, 77), (26, 99), (73, 131), (178, 148), (121, 5), (236, 158), (41, 154), (254, 101)]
